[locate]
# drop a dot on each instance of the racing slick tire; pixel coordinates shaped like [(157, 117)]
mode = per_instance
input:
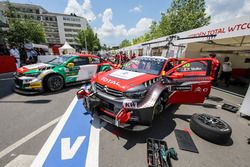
[(54, 83), (211, 128), (159, 106)]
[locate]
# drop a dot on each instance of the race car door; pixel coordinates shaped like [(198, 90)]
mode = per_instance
[(87, 68), (191, 81)]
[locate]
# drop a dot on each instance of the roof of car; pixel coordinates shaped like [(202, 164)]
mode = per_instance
[(84, 55), (156, 57)]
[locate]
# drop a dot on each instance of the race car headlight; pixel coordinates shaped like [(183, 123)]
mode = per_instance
[(33, 74), (136, 92), (89, 88)]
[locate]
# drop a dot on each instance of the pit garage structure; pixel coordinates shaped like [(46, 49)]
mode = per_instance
[(232, 39)]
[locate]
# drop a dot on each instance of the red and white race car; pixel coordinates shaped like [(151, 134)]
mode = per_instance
[(132, 96)]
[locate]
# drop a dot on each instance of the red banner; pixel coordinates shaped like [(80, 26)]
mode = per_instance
[(7, 64)]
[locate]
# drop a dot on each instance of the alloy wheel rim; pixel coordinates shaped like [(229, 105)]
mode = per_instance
[(56, 83), (213, 122)]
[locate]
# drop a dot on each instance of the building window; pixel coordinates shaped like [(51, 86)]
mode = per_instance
[(70, 35), (71, 30), (69, 40), (72, 25)]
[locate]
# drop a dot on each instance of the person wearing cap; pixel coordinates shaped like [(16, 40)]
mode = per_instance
[(216, 68), (15, 53)]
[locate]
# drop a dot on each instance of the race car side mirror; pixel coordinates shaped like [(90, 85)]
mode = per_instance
[(176, 75), (70, 65), (163, 73)]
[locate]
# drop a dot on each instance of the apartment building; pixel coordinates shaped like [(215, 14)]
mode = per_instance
[(58, 27)]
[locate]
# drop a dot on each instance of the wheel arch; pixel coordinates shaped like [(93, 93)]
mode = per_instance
[(153, 94), (49, 75)]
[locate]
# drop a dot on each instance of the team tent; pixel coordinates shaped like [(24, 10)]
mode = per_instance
[(66, 49)]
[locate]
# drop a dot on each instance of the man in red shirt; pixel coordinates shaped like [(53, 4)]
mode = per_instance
[(133, 56), (216, 68)]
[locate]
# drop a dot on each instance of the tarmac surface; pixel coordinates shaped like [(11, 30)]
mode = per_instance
[(21, 115), (125, 148)]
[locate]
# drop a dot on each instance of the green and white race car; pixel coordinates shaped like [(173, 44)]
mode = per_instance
[(61, 71)]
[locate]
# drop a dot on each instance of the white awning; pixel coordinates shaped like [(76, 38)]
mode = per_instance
[(67, 49)]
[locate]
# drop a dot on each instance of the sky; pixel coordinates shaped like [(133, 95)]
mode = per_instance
[(115, 20)]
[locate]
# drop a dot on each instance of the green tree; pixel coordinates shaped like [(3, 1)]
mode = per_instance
[(138, 40), (24, 31), (183, 15), (155, 31), (125, 43), (2, 36), (11, 10), (87, 37)]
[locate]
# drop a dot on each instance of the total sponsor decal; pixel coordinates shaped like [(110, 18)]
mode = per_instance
[(224, 30), (110, 81), (125, 75), (73, 142)]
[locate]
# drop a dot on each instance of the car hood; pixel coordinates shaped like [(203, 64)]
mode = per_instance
[(34, 68), (123, 80)]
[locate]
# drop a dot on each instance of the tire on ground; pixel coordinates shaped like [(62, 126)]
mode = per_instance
[(54, 83), (212, 134)]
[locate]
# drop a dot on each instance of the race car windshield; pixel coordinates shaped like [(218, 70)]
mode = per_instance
[(145, 65), (59, 60)]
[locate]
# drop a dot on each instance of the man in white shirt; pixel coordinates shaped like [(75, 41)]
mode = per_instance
[(226, 71), (15, 53)]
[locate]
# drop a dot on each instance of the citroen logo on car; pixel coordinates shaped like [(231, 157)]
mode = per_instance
[(105, 88)]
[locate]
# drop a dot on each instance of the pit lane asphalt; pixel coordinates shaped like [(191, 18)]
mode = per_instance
[(126, 148), (20, 115)]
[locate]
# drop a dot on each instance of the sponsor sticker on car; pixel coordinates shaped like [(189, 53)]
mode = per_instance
[(125, 75), (181, 88), (129, 104)]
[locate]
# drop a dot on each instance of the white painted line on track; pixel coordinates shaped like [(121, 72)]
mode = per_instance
[(93, 149), (27, 138), (39, 160), (5, 79), (21, 161)]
